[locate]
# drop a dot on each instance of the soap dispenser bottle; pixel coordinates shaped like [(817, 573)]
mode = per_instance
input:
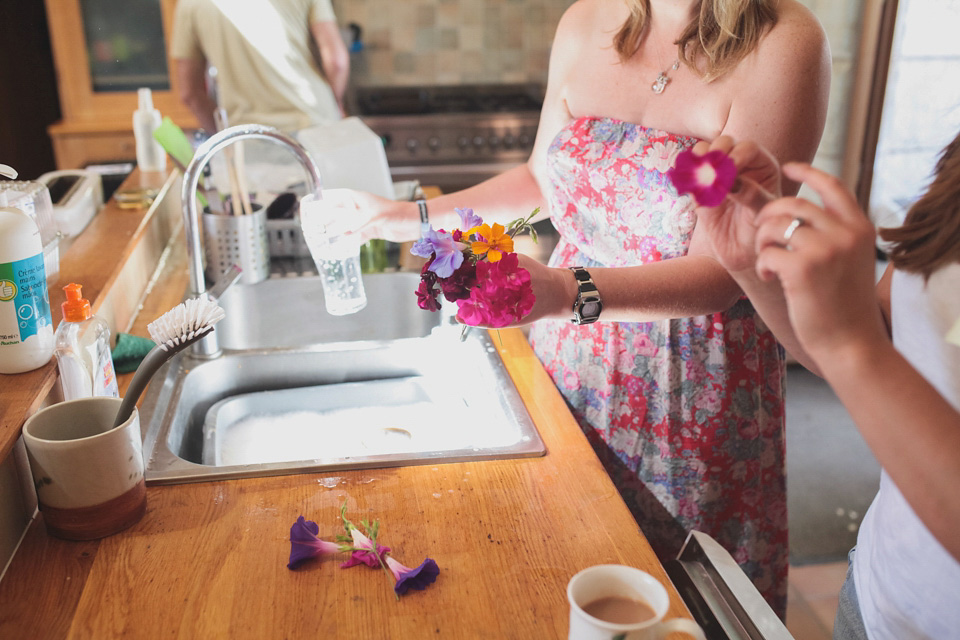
[(146, 119), (26, 326), (83, 350)]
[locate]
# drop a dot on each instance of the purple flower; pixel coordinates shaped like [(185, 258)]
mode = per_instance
[(468, 219), (423, 247), (363, 551), (708, 177), (440, 244), (304, 543), (407, 578)]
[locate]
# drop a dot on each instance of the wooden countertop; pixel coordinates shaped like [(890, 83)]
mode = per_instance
[(209, 559)]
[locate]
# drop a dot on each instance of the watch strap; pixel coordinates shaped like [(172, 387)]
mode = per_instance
[(424, 218)]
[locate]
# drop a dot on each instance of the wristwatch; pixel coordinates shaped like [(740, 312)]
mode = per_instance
[(589, 304), (424, 219)]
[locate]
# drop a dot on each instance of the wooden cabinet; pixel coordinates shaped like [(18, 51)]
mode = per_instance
[(104, 50)]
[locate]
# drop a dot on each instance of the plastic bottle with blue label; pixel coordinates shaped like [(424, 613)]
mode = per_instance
[(26, 326)]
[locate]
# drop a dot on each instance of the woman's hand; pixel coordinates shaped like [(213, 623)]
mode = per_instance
[(555, 290), (350, 211), (731, 226), (825, 261)]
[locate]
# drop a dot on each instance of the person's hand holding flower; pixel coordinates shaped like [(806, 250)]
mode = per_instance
[(730, 182)]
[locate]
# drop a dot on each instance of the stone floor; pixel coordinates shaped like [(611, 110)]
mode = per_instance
[(812, 599)]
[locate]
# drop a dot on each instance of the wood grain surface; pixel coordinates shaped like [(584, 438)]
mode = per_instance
[(209, 559)]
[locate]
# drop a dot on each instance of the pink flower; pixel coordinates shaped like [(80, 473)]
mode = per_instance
[(502, 296), (708, 178), (363, 550)]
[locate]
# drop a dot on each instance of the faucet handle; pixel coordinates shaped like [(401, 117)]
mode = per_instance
[(224, 282)]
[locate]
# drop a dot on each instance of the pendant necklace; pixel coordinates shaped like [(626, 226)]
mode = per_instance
[(663, 79)]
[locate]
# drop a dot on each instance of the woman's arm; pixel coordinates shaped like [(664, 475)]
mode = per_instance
[(781, 106), (828, 279)]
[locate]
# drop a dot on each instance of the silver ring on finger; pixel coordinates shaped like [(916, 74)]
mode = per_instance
[(791, 229)]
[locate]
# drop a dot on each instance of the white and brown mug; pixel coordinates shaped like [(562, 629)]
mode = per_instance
[(88, 474)]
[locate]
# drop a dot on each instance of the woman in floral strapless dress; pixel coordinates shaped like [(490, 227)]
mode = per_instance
[(686, 414)]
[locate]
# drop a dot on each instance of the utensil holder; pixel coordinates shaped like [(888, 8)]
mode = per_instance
[(239, 240)]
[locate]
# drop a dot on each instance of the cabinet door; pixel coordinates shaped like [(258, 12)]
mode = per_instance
[(105, 50)]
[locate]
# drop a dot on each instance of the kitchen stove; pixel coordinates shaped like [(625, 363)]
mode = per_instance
[(452, 136)]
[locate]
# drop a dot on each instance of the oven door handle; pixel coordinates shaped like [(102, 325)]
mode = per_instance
[(415, 171)]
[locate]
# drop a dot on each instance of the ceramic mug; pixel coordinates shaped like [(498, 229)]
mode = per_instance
[(88, 474), (634, 598)]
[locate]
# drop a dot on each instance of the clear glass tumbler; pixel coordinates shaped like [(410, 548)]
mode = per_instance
[(337, 258)]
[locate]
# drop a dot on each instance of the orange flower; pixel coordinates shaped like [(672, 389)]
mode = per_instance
[(494, 242)]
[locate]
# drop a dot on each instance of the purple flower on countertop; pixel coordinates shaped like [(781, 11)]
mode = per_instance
[(304, 543), (418, 578), (449, 253), (363, 551), (468, 219), (708, 178)]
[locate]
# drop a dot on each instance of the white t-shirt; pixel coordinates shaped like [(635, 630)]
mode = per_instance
[(908, 585), (267, 73)]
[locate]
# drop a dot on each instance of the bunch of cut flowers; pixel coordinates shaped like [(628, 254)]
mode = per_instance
[(364, 548), (475, 267)]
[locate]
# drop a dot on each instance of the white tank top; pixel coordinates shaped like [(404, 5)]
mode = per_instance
[(907, 584)]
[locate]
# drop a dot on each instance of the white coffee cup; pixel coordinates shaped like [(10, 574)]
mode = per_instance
[(88, 475), (603, 582)]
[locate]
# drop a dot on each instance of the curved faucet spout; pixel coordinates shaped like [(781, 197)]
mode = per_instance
[(208, 347)]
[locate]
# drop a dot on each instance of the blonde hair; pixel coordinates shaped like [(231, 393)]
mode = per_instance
[(930, 235), (724, 33)]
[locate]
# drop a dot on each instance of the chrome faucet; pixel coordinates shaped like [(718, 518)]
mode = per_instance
[(208, 347)]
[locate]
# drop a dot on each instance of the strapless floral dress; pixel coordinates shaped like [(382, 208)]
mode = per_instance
[(686, 415)]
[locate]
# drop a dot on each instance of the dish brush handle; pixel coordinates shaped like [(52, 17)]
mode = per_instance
[(148, 366)]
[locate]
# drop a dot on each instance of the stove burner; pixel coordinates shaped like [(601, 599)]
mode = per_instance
[(376, 101)]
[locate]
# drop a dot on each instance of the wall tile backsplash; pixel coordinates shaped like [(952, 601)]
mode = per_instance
[(423, 42)]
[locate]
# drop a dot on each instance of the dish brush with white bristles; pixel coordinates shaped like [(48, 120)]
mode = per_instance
[(186, 321), (183, 325)]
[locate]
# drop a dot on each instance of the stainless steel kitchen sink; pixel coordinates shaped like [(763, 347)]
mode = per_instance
[(297, 390)]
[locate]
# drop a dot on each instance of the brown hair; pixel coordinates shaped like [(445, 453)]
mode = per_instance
[(930, 235), (725, 32)]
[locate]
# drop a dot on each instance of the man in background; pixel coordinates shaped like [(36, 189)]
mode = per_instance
[(281, 63)]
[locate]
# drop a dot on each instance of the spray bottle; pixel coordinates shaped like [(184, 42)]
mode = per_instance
[(146, 119), (26, 327)]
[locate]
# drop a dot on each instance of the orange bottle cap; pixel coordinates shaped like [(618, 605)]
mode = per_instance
[(76, 308)]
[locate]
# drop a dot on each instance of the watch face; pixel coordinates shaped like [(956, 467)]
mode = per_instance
[(590, 309)]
